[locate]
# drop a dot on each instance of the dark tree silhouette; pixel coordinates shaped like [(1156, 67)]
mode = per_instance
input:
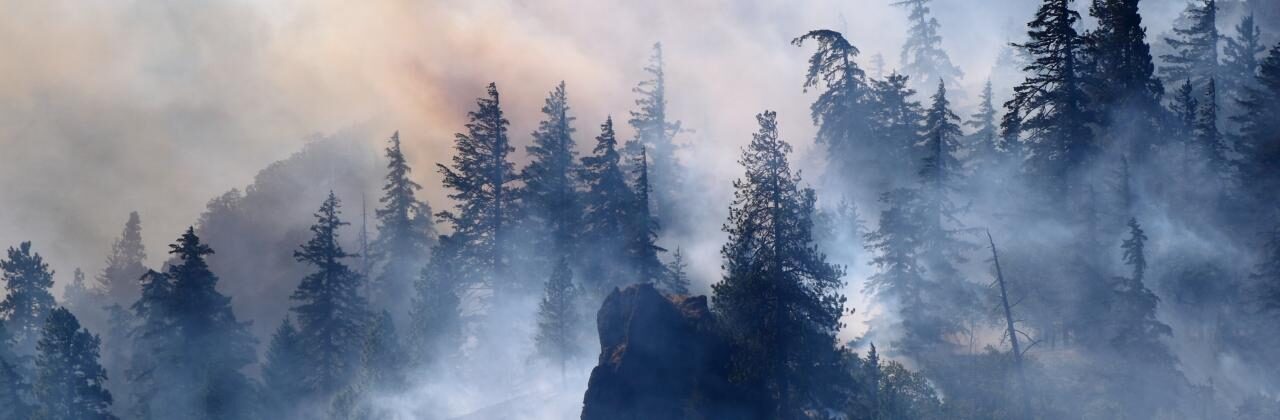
[(69, 381)]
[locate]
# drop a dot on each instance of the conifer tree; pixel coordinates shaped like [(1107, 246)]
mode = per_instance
[(922, 54), (1122, 71), (284, 373), (558, 323), (69, 380), (642, 230), (1051, 103), (985, 149), (119, 280), (435, 319), (27, 279), (939, 174), (897, 245), (778, 293), (1136, 332), (550, 193), (1259, 152), (1195, 47), (480, 179), (841, 110), (677, 278), (190, 347), (1266, 274), (608, 201), (1240, 61), (898, 121), (655, 131), (332, 315), (405, 231)]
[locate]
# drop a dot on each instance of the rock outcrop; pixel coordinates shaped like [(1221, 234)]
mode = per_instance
[(660, 358)]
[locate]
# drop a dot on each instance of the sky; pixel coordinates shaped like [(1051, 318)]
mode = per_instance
[(110, 106)]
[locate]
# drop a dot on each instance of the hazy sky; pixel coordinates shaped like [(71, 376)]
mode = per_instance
[(108, 106)]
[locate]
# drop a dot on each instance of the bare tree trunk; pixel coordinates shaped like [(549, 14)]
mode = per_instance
[(1013, 332)]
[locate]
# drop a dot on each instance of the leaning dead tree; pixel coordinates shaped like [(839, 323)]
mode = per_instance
[(1012, 331)]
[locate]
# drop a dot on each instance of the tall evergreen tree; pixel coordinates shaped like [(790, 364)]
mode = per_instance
[(1195, 47), (1051, 101), (642, 230), (550, 193), (1259, 151), (405, 232), (1240, 61), (608, 201), (558, 323), (655, 131), (922, 54), (69, 380), (190, 347), (27, 279), (939, 174), (897, 120), (435, 317), (1136, 332), (677, 278), (119, 280), (778, 293), (332, 315), (840, 111), (384, 361), (480, 178), (1123, 74), (284, 373), (985, 149)]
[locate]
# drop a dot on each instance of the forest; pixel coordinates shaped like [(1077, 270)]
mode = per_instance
[(1092, 234)]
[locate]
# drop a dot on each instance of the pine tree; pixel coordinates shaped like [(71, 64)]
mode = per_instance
[(677, 278), (656, 131), (119, 280), (841, 110), (480, 178), (550, 193), (922, 54), (778, 293), (435, 318), (1195, 48), (897, 122), (1136, 333), (27, 279), (608, 201), (939, 175), (558, 323), (1240, 61), (642, 230), (405, 231), (1051, 103), (985, 149), (1122, 71), (1258, 150), (332, 316), (190, 347), (897, 245), (284, 373), (69, 380)]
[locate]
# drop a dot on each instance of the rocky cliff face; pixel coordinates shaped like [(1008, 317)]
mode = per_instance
[(660, 358)]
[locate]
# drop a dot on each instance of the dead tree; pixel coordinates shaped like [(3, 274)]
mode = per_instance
[(1012, 331)]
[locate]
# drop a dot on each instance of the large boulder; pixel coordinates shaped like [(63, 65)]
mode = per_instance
[(660, 358)]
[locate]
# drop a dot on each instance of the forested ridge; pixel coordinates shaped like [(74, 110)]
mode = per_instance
[(1100, 240)]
